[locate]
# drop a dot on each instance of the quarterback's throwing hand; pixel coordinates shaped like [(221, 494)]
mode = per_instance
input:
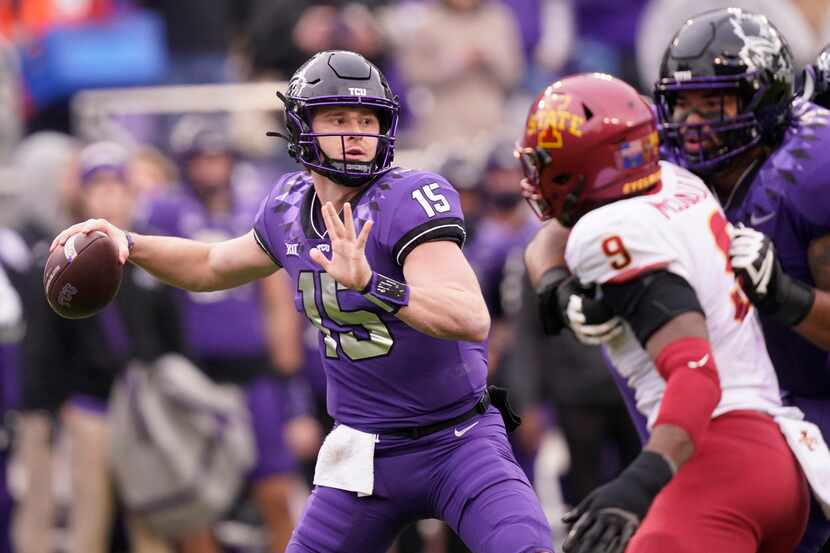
[(765, 283), (348, 264), (91, 225)]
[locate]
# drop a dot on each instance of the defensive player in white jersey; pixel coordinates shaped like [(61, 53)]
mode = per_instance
[(650, 240)]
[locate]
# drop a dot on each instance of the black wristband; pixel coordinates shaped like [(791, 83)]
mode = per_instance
[(387, 293), (652, 470), (795, 300), (549, 312)]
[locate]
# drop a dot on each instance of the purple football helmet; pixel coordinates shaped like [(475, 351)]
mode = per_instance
[(727, 51), (339, 78)]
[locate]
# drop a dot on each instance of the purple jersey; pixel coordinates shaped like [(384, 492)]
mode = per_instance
[(789, 201), (226, 323), (381, 374)]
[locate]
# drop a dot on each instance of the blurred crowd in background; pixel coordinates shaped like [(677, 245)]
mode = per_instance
[(465, 71)]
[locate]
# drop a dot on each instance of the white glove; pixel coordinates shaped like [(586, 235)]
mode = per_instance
[(591, 322)]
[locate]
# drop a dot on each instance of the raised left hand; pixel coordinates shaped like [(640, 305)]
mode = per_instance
[(348, 264)]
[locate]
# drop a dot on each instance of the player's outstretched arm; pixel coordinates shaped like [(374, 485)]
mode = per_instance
[(183, 263)]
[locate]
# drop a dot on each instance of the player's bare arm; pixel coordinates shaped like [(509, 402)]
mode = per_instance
[(546, 250), (445, 300), (189, 264)]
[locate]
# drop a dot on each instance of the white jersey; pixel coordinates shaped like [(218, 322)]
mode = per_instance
[(682, 229)]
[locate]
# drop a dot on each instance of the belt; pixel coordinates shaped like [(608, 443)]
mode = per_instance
[(420, 431)]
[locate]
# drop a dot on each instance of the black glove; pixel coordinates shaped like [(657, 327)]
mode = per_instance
[(565, 303), (605, 520), (551, 313), (768, 287)]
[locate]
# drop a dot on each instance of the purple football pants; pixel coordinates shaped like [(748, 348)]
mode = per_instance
[(471, 481), (817, 533)]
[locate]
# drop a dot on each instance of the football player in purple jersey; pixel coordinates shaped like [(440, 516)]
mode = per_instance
[(374, 253)]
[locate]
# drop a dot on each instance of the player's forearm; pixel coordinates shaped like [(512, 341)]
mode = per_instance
[(176, 261), (546, 250), (447, 312), (673, 443), (816, 325), (683, 356)]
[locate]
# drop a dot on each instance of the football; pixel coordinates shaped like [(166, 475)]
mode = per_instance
[(83, 276)]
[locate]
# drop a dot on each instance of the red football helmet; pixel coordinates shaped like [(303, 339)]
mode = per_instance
[(589, 140)]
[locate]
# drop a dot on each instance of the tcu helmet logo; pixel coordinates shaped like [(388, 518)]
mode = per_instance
[(66, 294), (357, 91), (765, 45)]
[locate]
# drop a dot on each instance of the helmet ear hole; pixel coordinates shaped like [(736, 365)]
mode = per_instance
[(588, 112)]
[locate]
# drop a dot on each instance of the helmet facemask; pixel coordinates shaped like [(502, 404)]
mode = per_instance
[(726, 52), (731, 134), (304, 143), (563, 190)]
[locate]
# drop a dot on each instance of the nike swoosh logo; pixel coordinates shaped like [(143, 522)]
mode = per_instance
[(700, 363), (459, 433), (755, 220)]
